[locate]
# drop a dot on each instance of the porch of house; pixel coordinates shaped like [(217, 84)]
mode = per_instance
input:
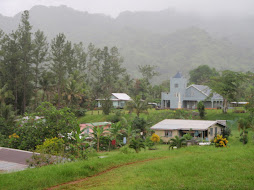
[(197, 134), (192, 104)]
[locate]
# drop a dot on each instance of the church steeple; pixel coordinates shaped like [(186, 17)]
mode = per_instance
[(178, 75)]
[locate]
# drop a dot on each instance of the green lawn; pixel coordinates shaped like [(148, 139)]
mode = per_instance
[(218, 115), (98, 116)]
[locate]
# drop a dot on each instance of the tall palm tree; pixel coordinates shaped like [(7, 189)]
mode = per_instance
[(137, 105)]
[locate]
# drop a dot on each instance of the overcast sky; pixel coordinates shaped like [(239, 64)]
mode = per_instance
[(114, 7)]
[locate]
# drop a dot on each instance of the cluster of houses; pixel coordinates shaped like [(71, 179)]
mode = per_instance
[(180, 96)]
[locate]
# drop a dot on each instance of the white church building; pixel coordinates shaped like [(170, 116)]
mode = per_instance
[(181, 96)]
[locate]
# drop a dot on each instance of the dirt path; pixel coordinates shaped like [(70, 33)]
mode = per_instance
[(103, 172)]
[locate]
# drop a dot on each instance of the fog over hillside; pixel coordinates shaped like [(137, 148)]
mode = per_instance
[(168, 39)]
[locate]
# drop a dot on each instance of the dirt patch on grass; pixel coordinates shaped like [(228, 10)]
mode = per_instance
[(103, 172)]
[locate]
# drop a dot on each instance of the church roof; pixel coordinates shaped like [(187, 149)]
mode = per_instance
[(178, 75), (206, 90)]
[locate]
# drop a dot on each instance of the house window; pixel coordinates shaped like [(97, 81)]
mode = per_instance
[(211, 131), (168, 133), (176, 85)]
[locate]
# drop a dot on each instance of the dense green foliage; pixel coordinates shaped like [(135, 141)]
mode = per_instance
[(47, 122), (228, 86), (202, 74)]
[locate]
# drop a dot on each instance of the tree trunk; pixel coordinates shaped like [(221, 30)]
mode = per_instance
[(225, 105), (36, 86), (16, 94), (98, 144), (59, 95)]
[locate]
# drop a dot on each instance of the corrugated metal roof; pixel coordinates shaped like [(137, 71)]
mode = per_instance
[(179, 124), (121, 96)]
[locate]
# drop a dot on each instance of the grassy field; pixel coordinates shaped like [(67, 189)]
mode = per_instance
[(188, 168), (194, 167)]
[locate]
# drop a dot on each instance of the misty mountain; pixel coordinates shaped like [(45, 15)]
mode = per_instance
[(174, 41)]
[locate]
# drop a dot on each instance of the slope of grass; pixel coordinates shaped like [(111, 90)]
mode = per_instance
[(40, 178), (218, 115), (188, 168)]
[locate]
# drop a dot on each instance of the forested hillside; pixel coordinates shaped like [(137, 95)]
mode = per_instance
[(168, 39)]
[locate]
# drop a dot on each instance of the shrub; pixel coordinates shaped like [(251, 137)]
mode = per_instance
[(155, 138), (226, 132), (201, 109), (187, 136), (39, 160), (53, 146), (180, 114), (3, 140), (115, 118), (220, 141), (239, 111), (149, 143), (79, 112), (126, 150), (14, 141), (52, 122)]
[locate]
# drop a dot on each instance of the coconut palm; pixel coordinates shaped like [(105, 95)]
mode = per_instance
[(137, 144)]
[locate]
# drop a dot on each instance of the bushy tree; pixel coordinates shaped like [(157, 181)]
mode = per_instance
[(139, 124), (202, 74)]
